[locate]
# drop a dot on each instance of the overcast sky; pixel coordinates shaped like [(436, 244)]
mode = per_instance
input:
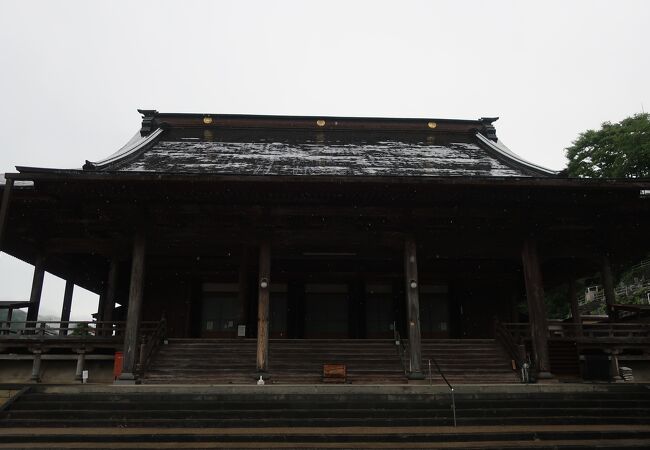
[(73, 73)]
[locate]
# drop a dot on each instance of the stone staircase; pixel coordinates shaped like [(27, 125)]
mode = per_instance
[(203, 361), (344, 416), (295, 361), (468, 361), (300, 361)]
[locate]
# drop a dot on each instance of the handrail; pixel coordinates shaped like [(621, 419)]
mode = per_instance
[(516, 350), (150, 344), (451, 388), (401, 348)]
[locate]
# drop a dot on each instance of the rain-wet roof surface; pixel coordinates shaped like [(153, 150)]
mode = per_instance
[(309, 157)]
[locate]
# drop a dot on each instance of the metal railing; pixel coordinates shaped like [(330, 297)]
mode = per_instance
[(451, 388), (401, 348)]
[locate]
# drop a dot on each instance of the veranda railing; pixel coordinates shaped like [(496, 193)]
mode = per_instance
[(605, 331), (52, 329)]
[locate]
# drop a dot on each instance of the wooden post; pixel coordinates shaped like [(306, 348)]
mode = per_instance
[(536, 307), (101, 304), (37, 289), (36, 367), (81, 359), (413, 309), (608, 285), (4, 209), (242, 288), (67, 307), (111, 289), (575, 310), (10, 313), (263, 308), (133, 312)]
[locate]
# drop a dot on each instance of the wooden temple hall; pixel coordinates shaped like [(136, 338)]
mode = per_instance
[(304, 249)]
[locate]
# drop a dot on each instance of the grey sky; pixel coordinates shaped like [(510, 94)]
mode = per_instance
[(72, 73)]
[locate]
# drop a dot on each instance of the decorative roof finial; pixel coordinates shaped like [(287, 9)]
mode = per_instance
[(148, 116), (488, 129)]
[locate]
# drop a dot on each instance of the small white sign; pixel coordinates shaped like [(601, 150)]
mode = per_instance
[(84, 376), (241, 331), (209, 325)]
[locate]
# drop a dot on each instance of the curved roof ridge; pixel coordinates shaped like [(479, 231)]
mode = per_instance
[(501, 149), (136, 144)]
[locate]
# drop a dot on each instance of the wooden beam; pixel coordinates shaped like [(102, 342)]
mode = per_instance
[(37, 289), (4, 208), (608, 286), (84, 246), (536, 306), (413, 309), (67, 307), (133, 312), (263, 308)]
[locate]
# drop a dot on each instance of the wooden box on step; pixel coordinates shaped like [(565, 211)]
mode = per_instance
[(334, 373)]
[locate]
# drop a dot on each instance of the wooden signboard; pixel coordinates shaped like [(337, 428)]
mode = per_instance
[(334, 373)]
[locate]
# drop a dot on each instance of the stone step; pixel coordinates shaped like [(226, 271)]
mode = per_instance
[(321, 422), (577, 438)]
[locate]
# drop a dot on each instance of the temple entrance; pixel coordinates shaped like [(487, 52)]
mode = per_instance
[(434, 311), (326, 311), (380, 311), (278, 311), (220, 310)]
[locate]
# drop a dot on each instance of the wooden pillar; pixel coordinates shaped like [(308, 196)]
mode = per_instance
[(575, 310), (608, 286), (110, 294), (263, 308), (413, 309), (67, 307), (242, 287), (133, 312), (4, 209), (37, 289), (536, 307)]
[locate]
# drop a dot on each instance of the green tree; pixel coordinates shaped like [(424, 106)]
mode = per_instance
[(617, 150)]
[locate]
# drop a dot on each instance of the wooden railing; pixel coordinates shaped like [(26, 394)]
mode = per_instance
[(150, 342), (514, 345), (594, 331), (61, 329), (69, 329)]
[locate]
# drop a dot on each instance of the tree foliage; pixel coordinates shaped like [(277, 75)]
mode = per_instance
[(617, 150)]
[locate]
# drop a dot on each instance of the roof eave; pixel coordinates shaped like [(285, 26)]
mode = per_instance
[(514, 159)]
